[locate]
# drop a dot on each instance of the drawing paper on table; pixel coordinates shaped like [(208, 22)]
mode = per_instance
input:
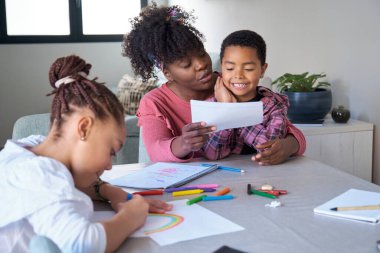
[(185, 223), (162, 175), (227, 115), (352, 197)]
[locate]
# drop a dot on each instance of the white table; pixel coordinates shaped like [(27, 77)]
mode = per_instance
[(348, 147), (291, 228)]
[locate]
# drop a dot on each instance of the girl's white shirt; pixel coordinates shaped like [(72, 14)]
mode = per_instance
[(38, 197)]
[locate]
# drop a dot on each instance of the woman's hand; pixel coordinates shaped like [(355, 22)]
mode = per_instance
[(222, 94), (276, 151), (194, 136), (158, 206)]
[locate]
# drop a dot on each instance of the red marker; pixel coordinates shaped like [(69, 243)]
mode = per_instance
[(151, 192), (274, 192)]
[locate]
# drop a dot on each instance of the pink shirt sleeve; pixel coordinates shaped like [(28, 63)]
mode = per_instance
[(157, 139), (157, 130)]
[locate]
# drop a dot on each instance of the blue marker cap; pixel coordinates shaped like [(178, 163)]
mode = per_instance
[(129, 196)]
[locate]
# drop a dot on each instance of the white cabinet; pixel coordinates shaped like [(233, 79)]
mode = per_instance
[(347, 147)]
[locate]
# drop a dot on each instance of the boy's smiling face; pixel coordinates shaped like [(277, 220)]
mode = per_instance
[(241, 71)]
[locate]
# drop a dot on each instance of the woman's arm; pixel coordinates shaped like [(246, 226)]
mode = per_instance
[(163, 146), (300, 138)]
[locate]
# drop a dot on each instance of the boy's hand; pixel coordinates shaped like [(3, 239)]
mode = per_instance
[(222, 94), (276, 151), (194, 136), (158, 206)]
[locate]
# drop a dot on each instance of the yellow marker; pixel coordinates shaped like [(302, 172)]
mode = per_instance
[(187, 192)]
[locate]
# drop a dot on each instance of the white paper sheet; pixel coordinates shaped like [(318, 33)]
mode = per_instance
[(183, 223), (186, 223), (227, 115), (352, 197)]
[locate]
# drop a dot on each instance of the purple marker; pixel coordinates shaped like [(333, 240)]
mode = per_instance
[(202, 186)]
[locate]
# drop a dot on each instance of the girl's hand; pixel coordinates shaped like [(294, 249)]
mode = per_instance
[(158, 206), (222, 94), (135, 210), (276, 151), (130, 216), (194, 136)]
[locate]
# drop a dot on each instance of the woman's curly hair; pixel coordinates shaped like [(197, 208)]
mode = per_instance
[(160, 36)]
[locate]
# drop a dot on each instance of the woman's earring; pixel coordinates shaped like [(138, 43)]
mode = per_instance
[(82, 138)]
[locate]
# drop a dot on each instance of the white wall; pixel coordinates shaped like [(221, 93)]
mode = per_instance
[(24, 75), (338, 37)]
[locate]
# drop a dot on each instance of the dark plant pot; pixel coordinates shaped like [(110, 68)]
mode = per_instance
[(340, 114), (309, 106)]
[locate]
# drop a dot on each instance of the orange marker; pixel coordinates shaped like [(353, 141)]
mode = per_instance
[(222, 192)]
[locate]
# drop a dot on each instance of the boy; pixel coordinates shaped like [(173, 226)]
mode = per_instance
[(243, 64)]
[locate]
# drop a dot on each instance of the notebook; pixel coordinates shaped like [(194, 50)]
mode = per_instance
[(163, 175), (352, 198)]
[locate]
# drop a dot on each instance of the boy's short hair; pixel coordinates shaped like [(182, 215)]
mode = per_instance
[(245, 38)]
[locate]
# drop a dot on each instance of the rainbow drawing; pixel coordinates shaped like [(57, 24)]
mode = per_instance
[(174, 220)]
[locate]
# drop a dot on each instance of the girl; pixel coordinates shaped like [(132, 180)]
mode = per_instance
[(164, 38), (40, 177)]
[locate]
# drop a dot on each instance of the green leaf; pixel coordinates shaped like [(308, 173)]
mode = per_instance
[(300, 82)]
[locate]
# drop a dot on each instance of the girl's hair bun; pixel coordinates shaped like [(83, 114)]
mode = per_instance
[(71, 66)]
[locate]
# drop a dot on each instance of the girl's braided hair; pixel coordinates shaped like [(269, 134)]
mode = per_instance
[(68, 77), (160, 36)]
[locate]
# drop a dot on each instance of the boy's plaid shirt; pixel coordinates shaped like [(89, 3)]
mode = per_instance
[(274, 125)]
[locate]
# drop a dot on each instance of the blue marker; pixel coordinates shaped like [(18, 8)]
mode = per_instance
[(223, 197), (224, 168)]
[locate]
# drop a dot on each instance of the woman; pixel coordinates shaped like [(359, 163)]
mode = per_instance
[(164, 37)]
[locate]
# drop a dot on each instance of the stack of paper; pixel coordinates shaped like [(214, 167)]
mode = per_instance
[(353, 204), (163, 175)]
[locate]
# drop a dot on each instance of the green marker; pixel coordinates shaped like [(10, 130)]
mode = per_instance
[(263, 194), (195, 200)]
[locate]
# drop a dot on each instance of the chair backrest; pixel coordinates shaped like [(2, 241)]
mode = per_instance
[(143, 155), (42, 244), (38, 124)]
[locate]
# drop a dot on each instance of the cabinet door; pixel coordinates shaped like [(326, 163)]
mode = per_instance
[(350, 152)]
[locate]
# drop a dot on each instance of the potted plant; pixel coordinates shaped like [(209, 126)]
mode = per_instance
[(309, 99)]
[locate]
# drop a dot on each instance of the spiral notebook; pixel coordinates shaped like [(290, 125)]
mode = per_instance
[(163, 175), (352, 198)]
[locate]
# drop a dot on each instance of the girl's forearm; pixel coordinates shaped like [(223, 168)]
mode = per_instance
[(117, 230)]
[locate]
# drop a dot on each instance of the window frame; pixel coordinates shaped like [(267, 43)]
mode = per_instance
[(76, 29)]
